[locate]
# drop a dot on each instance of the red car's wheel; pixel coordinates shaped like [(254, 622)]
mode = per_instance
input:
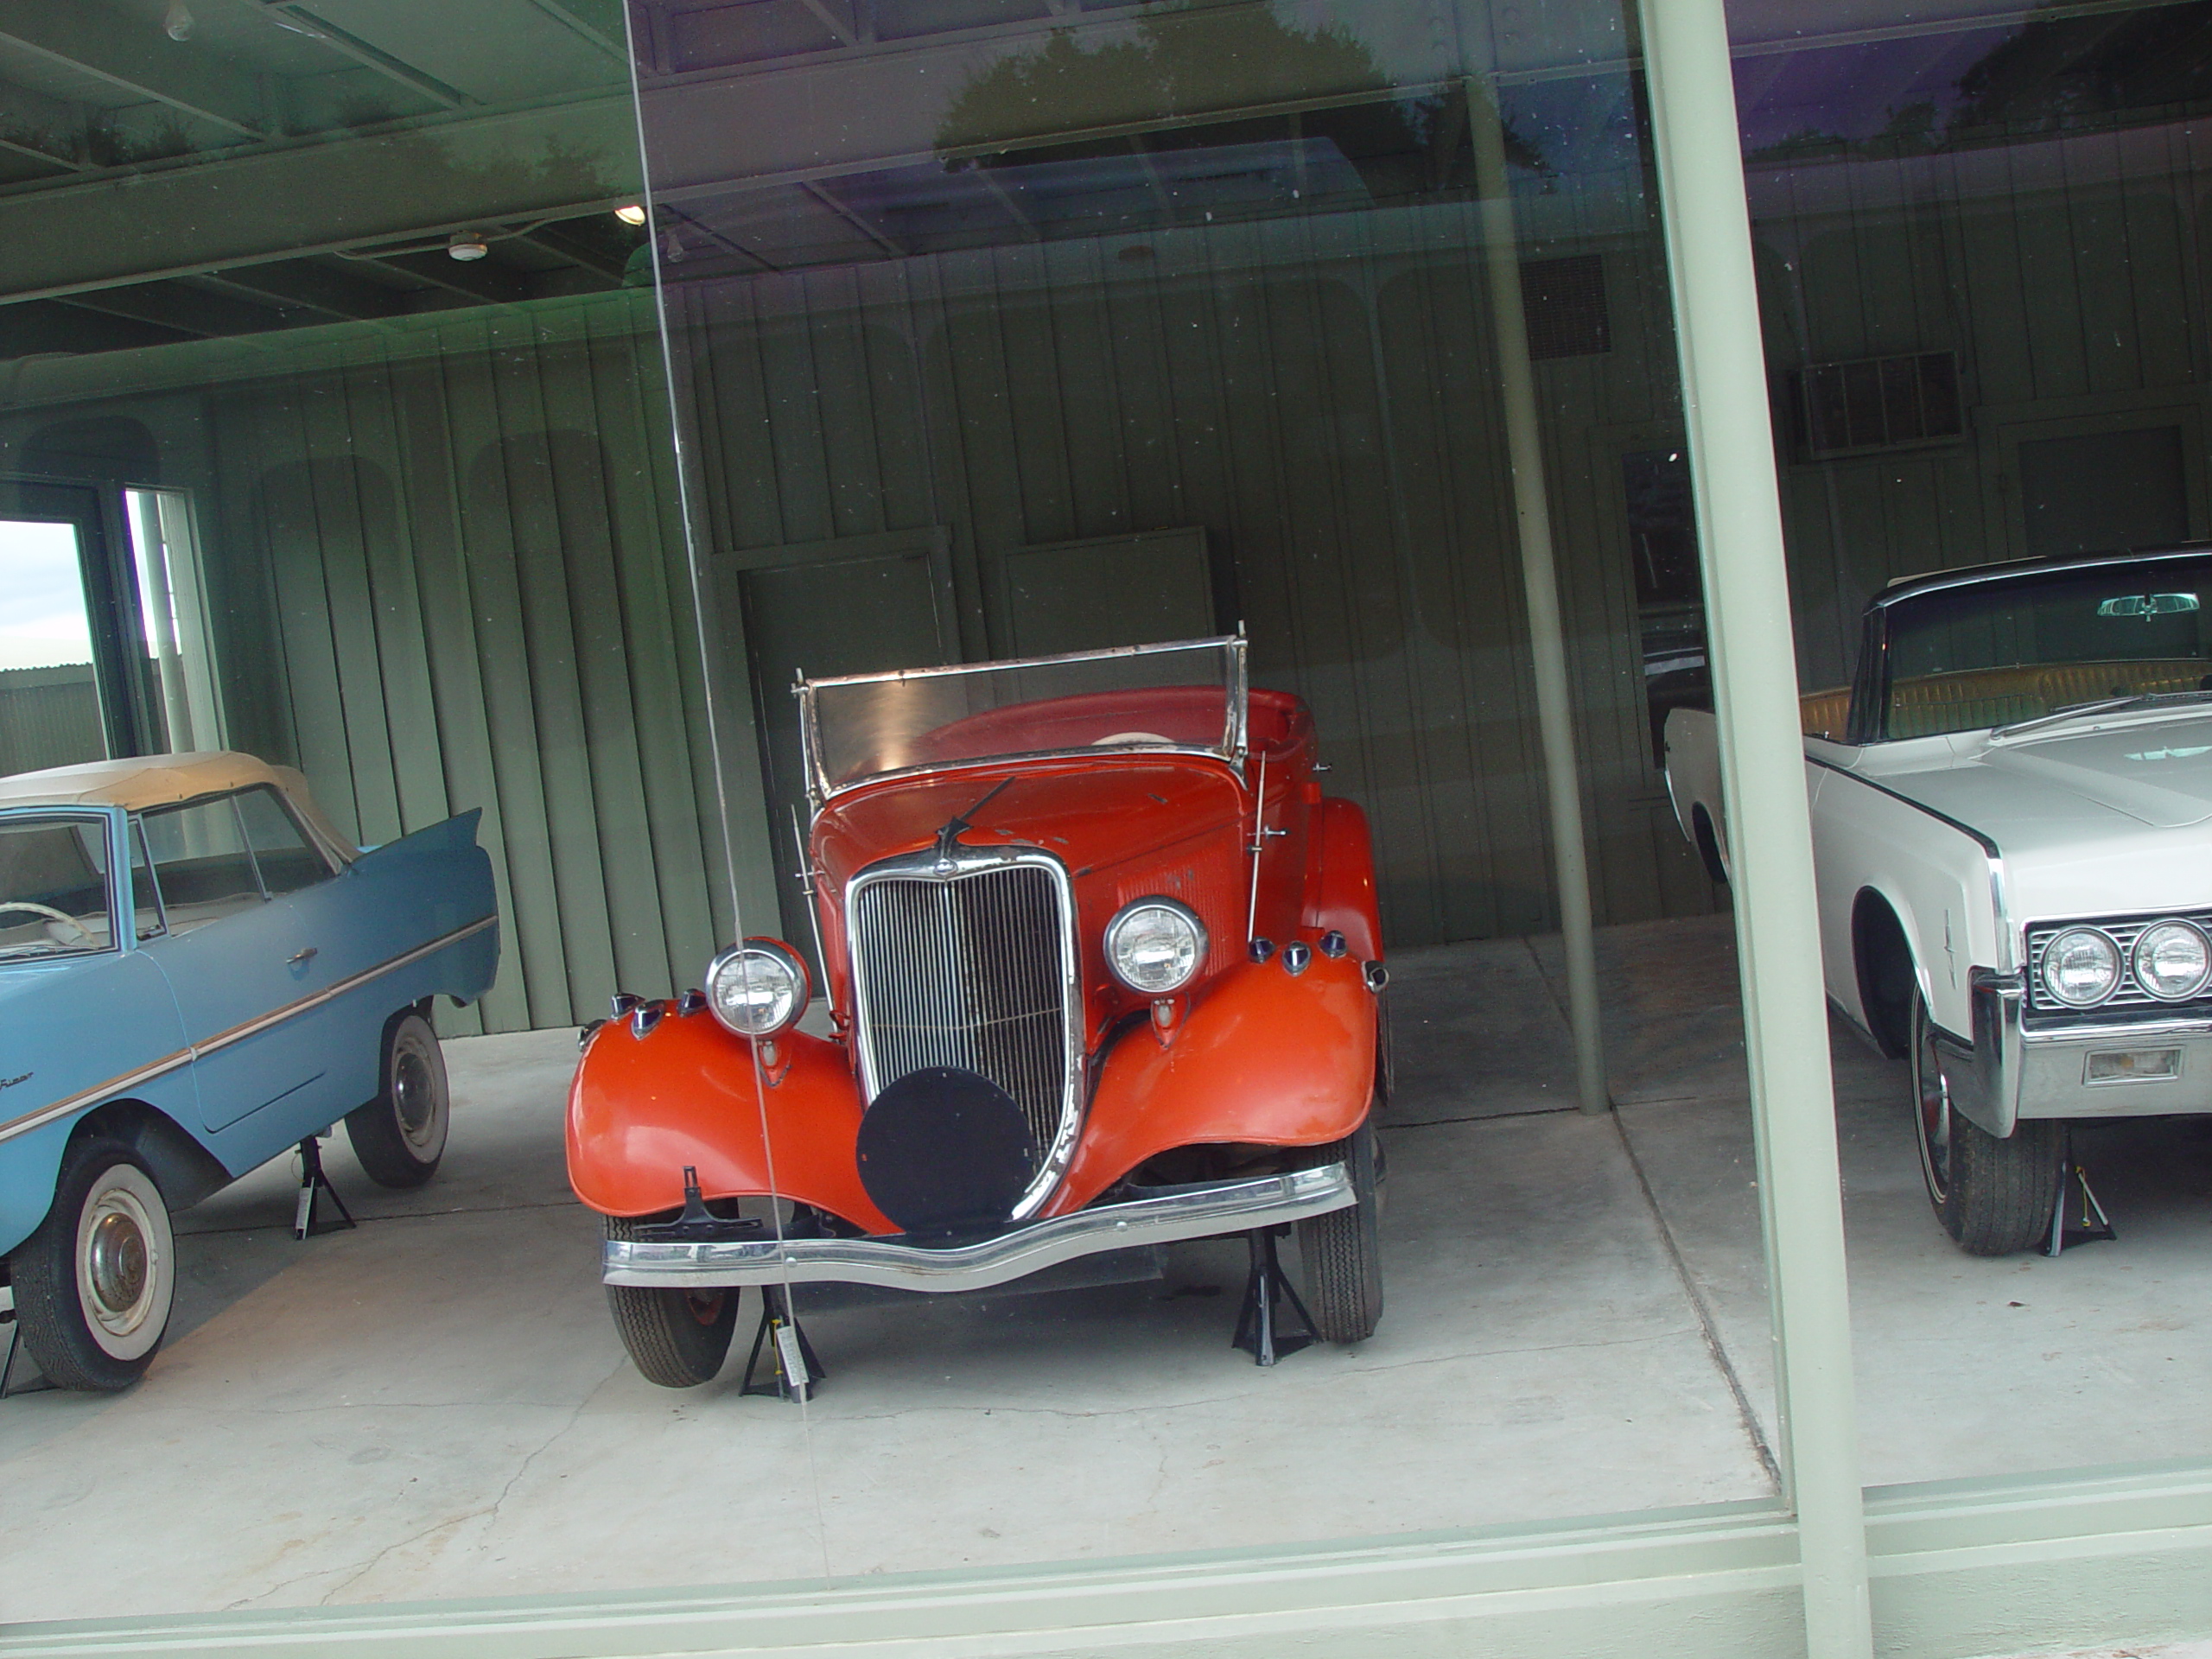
[(678, 1338), (1342, 1251)]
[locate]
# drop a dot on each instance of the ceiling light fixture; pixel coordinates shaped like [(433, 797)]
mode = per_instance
[(631, 213), (177, 23), (467, 244)]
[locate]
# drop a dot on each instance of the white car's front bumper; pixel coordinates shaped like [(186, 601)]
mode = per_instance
[(2140, 1067)]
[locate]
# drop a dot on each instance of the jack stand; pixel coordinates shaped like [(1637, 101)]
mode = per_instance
[(313, 1182), (15, 1345), (797, 1372), (2093, 1224), (1256, 1321)]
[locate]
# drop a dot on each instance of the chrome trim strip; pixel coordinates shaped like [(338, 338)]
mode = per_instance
[(41, 1116), (998, 762), (2132, 1034), (941, 670), (928, 865), (260, 1023), (1198, 1212), (44, 1114)]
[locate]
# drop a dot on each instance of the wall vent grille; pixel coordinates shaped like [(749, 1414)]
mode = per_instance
[(1564, 301), (1877, 402)]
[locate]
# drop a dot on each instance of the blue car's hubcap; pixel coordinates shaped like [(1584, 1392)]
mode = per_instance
[(118, 1263)]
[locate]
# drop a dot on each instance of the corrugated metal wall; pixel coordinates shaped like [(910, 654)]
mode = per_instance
[(1319, 396), (49, 717), (449, 570)]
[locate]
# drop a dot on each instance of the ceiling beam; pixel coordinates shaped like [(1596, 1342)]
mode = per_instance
[(564, 13), (289, 200), (473, 279), (823, 193), (304, 287), (187, 310), (131, 55), (347, 44), (837, 17), (555, 241), (43, 128)]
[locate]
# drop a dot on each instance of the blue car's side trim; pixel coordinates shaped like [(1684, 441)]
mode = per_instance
[(238, 1033)]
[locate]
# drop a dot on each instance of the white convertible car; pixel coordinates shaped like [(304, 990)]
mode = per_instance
[(2012, 808)]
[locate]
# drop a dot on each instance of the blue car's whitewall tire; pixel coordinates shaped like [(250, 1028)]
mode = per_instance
[(94, 1285), (400, 1135)]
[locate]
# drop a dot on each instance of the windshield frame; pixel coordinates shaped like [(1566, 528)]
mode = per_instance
[(1235, 733), (109, 819), (1868, 719)]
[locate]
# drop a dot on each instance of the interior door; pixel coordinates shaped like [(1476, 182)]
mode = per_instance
[(848, 607)]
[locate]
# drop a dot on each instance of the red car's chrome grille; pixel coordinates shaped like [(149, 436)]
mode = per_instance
[(971, 969)]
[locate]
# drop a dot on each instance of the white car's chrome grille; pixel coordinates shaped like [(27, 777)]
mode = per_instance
[(974, 968), (2123, 933)]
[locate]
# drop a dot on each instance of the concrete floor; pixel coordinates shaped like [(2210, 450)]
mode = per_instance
[(435, 1404)]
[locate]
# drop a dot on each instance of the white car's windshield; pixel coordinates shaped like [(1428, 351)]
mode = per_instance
[(53, 889), (1187, 696), (2018, 648)]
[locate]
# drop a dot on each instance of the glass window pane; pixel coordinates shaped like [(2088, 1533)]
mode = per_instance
[(286, 859), (202, 862), (49, 698), (53, 892)]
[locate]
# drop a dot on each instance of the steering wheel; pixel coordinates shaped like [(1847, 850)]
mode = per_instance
[(83, 933), (1129, 737)]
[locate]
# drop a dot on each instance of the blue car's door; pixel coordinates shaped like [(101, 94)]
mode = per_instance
[(241, 963), (394, 925)]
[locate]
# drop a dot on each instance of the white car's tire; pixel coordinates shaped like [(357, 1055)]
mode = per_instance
[(1992, 1196), (95, 1284)]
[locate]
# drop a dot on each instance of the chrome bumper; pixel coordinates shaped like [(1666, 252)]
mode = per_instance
[(2008, 1073), (1197, 1212)]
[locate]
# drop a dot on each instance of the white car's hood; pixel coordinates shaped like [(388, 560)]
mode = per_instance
[(2112, 813)]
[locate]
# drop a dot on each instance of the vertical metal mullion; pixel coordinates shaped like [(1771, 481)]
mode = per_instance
[(1707, 221)]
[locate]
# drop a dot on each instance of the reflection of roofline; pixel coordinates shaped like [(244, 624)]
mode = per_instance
[(1974, 575)]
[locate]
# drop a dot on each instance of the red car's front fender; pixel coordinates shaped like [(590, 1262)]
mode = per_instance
[(642, 1107), (1266, 1057)]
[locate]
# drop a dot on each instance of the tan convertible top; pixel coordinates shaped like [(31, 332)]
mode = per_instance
[(157, 780)]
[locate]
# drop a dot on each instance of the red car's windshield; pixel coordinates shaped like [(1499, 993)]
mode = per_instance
[(1172, 696)]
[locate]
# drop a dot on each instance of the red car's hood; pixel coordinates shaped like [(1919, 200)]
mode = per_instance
[(1126, 826), (1094, 815)]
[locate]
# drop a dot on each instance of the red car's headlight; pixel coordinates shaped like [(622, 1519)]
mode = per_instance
[(1155, 946), (757, 988)]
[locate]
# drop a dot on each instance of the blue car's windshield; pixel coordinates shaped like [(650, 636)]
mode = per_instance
[(54, 887), (2020, 647)]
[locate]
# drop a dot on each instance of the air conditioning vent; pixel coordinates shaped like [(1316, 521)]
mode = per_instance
[(1564, 301), (1877, 402)]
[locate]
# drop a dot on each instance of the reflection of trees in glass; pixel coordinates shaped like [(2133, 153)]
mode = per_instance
[(1235, 64), (2057, 74)]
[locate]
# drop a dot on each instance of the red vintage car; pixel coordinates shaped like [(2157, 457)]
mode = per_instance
[(1103, 972)]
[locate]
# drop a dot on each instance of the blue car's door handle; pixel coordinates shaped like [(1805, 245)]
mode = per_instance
[(304, 956)]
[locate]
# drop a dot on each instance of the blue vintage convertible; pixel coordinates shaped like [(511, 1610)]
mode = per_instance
[(197, 971)]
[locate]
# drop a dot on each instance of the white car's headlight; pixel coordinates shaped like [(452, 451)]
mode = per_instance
[(2081, 968), (1155, 946), (757, 988), (2172, 960)]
